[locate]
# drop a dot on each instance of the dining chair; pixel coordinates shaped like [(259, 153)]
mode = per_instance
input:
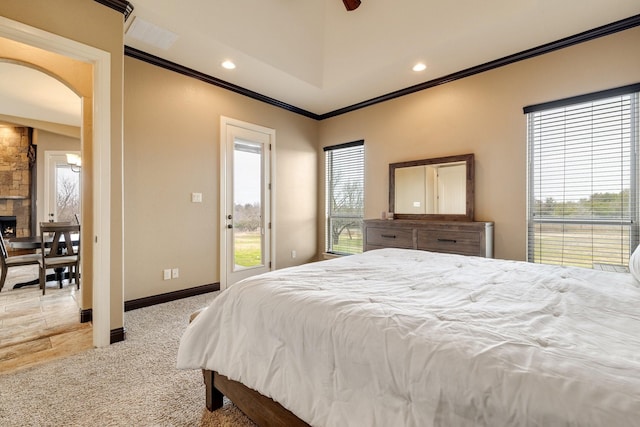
[(14, 261), (59, 250)]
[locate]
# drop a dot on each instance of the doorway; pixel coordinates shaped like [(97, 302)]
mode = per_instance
[(99, 123), (246, 188), (452, 180), (62, 201)]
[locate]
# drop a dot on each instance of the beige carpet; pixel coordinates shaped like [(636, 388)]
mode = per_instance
[(132, 383)]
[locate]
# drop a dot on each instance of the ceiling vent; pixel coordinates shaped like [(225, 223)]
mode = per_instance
[(151, 34)]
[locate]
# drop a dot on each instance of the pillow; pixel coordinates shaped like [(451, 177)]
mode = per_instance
[(634, 263)]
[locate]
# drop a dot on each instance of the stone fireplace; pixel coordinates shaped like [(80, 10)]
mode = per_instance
[(17, 157)]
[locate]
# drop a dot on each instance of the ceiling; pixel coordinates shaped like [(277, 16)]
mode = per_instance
[(316, 56), (28, 93)]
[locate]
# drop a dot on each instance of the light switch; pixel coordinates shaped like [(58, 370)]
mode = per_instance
[(196, 197)]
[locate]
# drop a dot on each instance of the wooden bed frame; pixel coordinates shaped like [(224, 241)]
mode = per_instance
[(260, 409)]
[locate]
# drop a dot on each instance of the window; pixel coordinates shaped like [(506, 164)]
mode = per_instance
[(67, 193), (344, 197), (583, 179)]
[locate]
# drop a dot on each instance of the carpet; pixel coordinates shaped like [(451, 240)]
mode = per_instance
[(131, 383)]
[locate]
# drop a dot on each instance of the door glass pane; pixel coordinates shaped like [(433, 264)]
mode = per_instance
[(247, 205), (67, 194)]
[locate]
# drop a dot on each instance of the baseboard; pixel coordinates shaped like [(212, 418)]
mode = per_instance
[(170, 296), (86, 315), (117, 335)]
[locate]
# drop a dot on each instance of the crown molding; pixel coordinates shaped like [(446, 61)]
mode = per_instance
[(160, 62), (121, 6), (595, 33)]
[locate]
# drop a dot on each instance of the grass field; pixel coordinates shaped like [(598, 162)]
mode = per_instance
[(582, 246), (248, 251), (349, 243)]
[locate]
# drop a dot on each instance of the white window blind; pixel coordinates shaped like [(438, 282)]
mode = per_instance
[(344, 197), (583, 179)]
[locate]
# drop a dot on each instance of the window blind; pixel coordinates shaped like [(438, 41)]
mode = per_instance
[(344, 197), (583, 179)]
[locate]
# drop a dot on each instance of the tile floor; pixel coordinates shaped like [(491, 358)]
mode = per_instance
[(35, 328)]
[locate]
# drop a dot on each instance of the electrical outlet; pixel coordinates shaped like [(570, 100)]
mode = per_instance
[(196, 197), (175, 273), (293, 254), (166, 273)]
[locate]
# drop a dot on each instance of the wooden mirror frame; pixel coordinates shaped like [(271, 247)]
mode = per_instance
[(468, 216)]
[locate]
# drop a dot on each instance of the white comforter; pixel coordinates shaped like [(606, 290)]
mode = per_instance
[(398, 337)]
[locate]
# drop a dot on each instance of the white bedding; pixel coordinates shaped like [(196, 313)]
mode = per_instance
[(398, 337)]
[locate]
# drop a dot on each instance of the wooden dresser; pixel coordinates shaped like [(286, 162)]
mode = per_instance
[(455, 237)]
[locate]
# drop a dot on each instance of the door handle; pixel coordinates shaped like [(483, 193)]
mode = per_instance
[(229, 225)]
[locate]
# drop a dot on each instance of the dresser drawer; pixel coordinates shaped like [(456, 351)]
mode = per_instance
[(454, 242), (455, 237), (389, 237)]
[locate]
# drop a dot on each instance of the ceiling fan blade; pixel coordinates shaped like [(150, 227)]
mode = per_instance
[(351, 4)]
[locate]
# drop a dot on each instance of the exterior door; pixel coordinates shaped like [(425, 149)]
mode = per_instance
[(246, 189), (62, 188)]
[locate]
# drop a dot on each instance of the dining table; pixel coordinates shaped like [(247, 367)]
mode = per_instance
[(34, 243)]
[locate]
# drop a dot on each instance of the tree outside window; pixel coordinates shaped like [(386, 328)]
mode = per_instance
[(345, 197), (67, 194)]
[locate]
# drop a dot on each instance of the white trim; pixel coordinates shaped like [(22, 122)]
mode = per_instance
[(102, 200), (224, 123), (101, 61)]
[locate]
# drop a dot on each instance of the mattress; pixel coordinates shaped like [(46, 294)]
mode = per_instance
[(396, 337)]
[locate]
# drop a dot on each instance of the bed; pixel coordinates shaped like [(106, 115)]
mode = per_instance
[(396, 337)]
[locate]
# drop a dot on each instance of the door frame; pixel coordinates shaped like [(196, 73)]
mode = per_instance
[(225, 122), (101, 61)]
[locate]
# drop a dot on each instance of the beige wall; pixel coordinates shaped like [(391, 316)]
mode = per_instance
[(483, 115), (171, 147), (95, 25)]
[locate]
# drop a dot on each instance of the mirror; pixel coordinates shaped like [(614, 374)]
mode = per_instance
[(440, 188)]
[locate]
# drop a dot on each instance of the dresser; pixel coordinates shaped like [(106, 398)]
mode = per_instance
[(454, 237)]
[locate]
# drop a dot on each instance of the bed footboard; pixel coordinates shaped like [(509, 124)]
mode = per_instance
[(262, 410)]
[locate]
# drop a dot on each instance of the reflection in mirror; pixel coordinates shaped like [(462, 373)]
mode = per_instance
[(439, 188), (432, 189)]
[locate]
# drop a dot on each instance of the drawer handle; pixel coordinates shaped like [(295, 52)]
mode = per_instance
[(389, 236), (447, 240)]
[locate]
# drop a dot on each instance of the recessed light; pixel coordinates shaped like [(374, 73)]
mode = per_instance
[(419, 67), (229, 65)]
